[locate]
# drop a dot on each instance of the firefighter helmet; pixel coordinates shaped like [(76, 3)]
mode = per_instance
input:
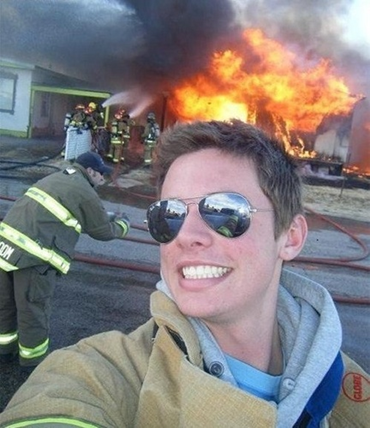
[(80, 107), (92, 106), (151, 116), (119, 113)]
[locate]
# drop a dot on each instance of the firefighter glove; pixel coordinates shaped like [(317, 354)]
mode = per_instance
[(124, 222)]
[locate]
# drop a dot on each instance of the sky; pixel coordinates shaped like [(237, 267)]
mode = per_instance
[(357, 26), (149, 45)]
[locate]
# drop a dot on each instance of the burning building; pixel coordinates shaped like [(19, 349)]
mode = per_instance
[(285, 66), (346, 138), (358, 158), (306, 105)]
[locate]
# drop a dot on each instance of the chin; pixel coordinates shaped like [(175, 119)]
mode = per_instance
[(194, 307)]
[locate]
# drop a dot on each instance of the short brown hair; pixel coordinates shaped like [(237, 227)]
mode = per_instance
[(276, 170)]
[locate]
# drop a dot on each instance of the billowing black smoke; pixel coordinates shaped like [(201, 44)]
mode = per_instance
[(116, 42), (154, 43)]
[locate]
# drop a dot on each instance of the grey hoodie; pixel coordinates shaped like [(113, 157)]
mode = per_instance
[(311, 337)]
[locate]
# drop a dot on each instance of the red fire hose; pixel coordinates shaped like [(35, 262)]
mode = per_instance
[(340, 262)]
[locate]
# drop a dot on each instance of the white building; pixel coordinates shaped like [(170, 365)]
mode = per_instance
[(35, 100)]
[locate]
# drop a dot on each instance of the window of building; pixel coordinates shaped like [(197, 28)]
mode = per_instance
[(8, 83), (45, 105)]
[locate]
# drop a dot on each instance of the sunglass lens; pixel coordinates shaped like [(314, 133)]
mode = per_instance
[(226, 213), (165, 219)]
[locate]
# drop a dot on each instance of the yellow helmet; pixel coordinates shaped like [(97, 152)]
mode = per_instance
[(92, 106)]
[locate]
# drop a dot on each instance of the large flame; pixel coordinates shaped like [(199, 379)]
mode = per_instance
[(263, 76)]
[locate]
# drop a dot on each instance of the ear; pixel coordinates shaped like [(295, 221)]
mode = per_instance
[(295, 237), (90, 171)]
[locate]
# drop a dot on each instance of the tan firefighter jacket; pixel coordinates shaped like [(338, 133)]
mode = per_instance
[(145, 379)]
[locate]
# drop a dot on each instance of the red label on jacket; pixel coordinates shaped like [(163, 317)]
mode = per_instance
[(356, 387)]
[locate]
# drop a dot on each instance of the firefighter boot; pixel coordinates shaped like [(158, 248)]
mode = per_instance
[(121, 154), (148, 149), (117, 153), (110, 153)]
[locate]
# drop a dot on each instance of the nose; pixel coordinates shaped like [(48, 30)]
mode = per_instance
[(194, 231)]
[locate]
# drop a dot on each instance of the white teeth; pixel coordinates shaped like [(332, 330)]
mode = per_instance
[(200, 272)]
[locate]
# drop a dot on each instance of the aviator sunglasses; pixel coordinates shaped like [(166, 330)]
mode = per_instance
[(227, 213)]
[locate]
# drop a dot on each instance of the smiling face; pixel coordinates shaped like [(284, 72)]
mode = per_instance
[(219, 279)]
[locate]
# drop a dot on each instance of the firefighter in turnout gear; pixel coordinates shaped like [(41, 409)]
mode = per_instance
[(95, 122), (78, 118), (94, 116), (84, 118), (120, 134), (82, 130), (150, 137), (37, 240), (75, 118)]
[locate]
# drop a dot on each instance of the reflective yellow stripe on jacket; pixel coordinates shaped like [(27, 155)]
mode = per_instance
[(4, 265), (32, 247), (50, 421), (52, 205)]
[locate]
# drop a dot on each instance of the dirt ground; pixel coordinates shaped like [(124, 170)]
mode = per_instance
[(343, 202), (353, 203)]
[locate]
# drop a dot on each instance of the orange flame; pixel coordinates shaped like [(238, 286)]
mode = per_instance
[(263, 76)]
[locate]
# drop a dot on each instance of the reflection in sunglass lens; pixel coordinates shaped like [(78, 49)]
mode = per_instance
[(165, 219), (226, 213)]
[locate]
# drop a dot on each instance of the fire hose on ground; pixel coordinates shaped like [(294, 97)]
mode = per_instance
[(14, 164)]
